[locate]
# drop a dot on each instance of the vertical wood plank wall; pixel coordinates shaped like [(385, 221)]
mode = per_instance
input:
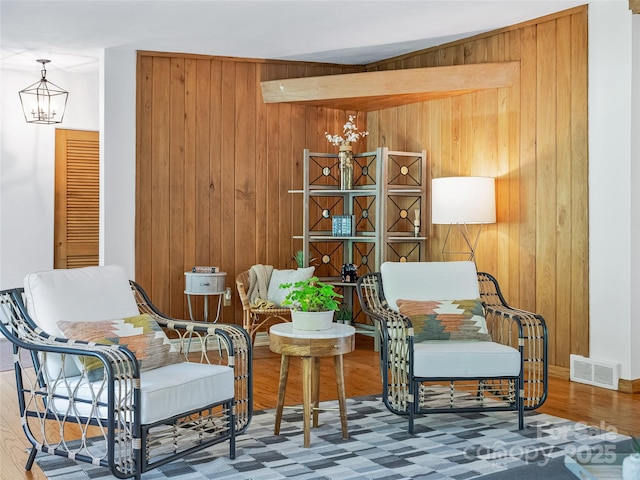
[(214, 166), (532, 138)]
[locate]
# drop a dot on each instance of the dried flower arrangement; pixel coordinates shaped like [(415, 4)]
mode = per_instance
[(350, 133)]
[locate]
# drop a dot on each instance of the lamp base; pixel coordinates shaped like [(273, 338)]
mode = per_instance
[(470, 242)]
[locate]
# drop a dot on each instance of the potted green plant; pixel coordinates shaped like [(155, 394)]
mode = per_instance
[(312, 303), (344, 314), (298, 257)]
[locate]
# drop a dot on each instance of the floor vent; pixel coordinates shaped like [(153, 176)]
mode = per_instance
[(594, 372)]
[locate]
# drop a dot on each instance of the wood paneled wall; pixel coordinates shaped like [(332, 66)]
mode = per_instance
[(215, 165), (532, 138)]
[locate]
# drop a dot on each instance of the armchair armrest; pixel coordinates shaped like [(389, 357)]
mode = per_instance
[(396, 347), (206, 338), (520, 329), (47, 394)]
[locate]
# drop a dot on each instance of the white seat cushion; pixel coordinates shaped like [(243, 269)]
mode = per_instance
[(428, 281), (178, 388), (464, 359), (165, 391)]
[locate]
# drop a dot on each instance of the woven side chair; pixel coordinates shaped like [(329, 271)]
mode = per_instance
[(96, 401), (255, 319), (507, 371)]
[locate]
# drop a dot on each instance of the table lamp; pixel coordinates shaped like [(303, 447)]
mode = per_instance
[(463, 201)]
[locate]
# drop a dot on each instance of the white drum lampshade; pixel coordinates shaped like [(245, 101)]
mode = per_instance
[(463, 200)]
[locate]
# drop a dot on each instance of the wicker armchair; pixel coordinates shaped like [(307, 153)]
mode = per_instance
[(127, 418), (509, 372), (254, 319)]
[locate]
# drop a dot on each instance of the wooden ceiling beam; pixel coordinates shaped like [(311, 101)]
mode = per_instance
[(634, 6), (389, 88)]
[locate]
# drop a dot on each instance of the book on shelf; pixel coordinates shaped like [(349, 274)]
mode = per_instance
[(342, 225), (203, 269)]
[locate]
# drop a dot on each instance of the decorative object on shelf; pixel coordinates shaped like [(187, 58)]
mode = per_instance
[(309, 299), (345, 155), (463, 201), (342, 225), (43, 102), (416, 223), (631, 464), (202, 269), (350, 134), (349, 273)]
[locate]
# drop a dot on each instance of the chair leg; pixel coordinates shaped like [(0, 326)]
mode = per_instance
[(232, 432), (411, 421), (520, 400), (413, 404), (31, 459)]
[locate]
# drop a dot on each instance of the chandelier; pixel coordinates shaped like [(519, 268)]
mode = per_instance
[(43, 102)]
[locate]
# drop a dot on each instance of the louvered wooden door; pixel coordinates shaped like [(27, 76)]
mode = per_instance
[(77, 194)]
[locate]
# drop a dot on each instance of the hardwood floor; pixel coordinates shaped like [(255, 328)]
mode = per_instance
[(594, 406)]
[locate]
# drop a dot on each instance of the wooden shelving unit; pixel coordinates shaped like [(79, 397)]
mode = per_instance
[(389, 187)]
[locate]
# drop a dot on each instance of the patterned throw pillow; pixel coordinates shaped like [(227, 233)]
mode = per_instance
[(446, 319), (140, 334)]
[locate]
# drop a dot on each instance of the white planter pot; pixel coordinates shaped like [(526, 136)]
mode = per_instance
[(631, 467), (312, 320)]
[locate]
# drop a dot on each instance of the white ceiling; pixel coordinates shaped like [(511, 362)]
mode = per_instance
[(72, 33)]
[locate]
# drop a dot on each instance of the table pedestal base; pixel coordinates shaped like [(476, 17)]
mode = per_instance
[(310, 394), (310, 346)]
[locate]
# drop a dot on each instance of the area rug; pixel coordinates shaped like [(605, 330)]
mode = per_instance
[(444, 446), (6, 355)]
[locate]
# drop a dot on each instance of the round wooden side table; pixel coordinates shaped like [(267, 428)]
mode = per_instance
[(311, 346)]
